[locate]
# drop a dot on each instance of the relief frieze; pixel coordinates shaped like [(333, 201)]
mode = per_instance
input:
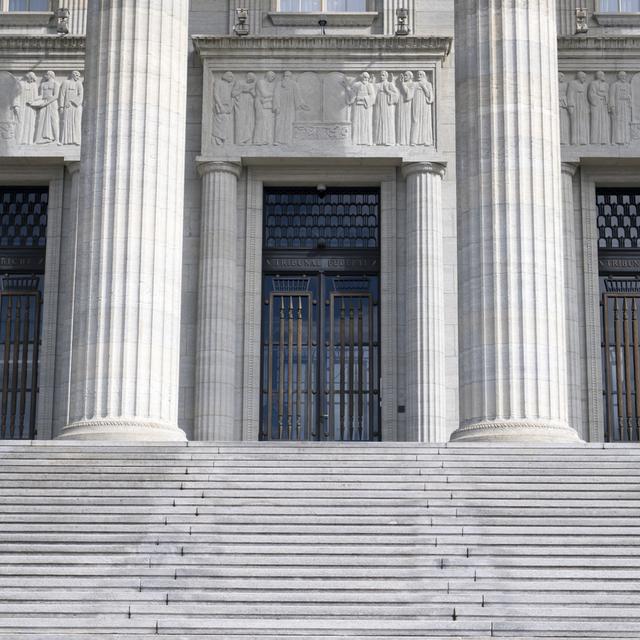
[(283, 109), (599, 108), (41, 110)]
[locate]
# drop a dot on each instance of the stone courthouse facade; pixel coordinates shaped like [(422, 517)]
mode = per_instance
[(344, 220)]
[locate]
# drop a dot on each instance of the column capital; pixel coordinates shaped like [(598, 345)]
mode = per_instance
[(72, 167), (434, 168), (570, 168), (217, 166)]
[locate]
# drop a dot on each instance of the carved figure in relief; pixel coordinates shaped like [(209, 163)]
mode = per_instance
[(404, 114), (286, 101), (578, 106), (361, 96), (599, 102), (48, 118), (24, 110), (265, 117), (243, 94), (71, 97), (222, 108), (384, 110), (565, 127), (620, 108), (421, 118)]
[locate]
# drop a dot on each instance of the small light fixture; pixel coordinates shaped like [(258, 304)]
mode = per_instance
[(62, 21), (402, 24), (241, 27), (581, 21), (323, 23)]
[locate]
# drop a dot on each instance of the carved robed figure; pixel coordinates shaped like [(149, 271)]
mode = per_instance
[(384, 111), (222, 108), (421, 118), (598, 96), (286, 101), (361, 97), (620, 107)]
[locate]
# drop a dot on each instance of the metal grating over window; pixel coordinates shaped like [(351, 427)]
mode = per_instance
[(618, 218), (309, 219), (23, 217)]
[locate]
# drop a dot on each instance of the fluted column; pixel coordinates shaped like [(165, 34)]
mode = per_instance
[(513, 347), (126, 347), (574, 378), (425, 321), (77, 15), (217, 333)]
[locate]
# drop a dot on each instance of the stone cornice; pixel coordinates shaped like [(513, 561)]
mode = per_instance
[(599, 44), (208, 46), (35, 43)]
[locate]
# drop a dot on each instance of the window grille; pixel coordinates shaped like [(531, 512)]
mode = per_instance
[(618, 218), (308, 219)]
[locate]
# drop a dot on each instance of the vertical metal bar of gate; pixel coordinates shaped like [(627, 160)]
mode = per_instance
[(621, 361), (20, 313)]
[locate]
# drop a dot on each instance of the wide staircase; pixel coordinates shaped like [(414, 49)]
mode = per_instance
[(248, 541)]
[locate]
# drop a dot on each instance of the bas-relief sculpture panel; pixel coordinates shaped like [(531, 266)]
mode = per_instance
[(285, 109), (41, 111), (599, 108)]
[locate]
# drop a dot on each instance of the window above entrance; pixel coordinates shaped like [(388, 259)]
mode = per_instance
[(311, 219)]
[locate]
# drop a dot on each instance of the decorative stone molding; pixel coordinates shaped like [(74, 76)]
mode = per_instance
[(516, 431), (208, 46), (424, 167), (234, 168), (617, 19)]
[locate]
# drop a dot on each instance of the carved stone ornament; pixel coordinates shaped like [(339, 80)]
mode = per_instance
[(41, 110), (282, 109), (599, 108)]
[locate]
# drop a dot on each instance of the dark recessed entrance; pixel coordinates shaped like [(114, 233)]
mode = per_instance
[(23, 226), (320, 321), (619, 265)]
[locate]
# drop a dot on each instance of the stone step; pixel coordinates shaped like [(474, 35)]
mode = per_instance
[(293, 541)]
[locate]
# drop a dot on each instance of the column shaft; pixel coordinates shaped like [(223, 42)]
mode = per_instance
[(513, 378), (574, 377), (217, 332), (126, 347), (425, 322)]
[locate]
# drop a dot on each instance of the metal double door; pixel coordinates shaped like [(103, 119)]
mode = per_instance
[(320, 375)]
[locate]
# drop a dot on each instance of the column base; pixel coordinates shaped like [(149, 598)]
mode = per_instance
[(122, 430), (516, 431)]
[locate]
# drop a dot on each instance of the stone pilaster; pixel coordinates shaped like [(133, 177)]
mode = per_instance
[(513, 347), (126, 344), (217, 333), (574, 377), (425, 321)]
